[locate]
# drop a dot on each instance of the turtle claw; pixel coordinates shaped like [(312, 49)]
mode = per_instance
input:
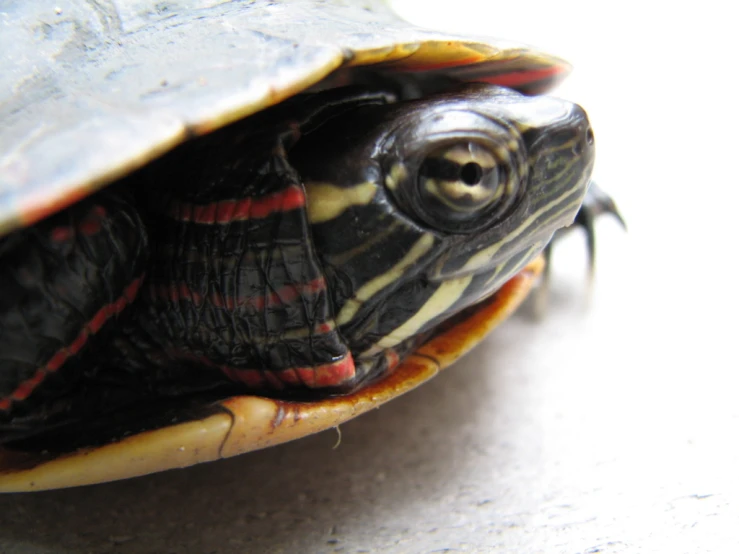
[(595, 204)]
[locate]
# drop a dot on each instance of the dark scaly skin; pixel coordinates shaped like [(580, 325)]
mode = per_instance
[(249, 286), (183, 334), (64, 281), (236, 296)]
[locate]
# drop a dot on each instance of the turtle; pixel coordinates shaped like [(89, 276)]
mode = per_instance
[(226, 225)]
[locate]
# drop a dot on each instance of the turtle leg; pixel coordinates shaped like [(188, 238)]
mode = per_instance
[(61, 282), (595, 204)]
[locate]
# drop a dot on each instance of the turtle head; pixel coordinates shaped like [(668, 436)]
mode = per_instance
[(420, 209)]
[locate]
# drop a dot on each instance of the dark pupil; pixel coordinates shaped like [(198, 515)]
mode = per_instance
[(471, 173), (438, 168)]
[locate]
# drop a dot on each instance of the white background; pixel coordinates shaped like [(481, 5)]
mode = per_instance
[(638, 436), (609, 426)]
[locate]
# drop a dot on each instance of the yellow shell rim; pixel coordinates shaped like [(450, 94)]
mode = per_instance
[(249, 423)]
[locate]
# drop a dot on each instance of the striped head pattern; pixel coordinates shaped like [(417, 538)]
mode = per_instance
[(420, 209)]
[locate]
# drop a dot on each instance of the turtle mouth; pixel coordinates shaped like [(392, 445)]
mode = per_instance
[(473, 295), (415, 310), (475, 287)]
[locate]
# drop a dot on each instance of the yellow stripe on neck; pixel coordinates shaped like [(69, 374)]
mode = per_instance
[(444, 298), (370, 288), (327, 201)]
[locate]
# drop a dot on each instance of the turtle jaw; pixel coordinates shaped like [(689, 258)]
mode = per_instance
[(448, 303)]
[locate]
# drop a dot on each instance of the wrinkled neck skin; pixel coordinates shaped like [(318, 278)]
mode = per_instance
[(405, 243), (370, 222)]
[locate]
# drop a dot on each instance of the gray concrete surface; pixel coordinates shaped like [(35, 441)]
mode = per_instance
[(609, 426)]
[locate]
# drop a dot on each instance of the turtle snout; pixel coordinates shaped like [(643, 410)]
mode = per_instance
[(584, 143)]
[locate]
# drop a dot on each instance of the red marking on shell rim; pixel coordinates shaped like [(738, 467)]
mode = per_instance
[(440, 65), (38, 207), (524, 77), (244, 209), (25, 388)]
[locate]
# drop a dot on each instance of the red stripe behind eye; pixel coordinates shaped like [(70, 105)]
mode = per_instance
[(25, 388), (244, 209)]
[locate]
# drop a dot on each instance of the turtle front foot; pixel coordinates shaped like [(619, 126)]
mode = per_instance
[(596, 203)]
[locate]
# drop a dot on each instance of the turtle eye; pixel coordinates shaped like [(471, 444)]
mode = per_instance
[(464, 186), (456, 182), (456, 171)]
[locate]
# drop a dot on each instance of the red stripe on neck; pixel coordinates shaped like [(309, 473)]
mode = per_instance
[(333, 374), (25, 388), (226, 211)]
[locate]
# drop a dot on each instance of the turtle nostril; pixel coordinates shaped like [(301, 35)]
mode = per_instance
[(579, 145)]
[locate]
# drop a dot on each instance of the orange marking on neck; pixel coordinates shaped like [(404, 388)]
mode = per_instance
[(226, 211), (331, 374), (24, 389)]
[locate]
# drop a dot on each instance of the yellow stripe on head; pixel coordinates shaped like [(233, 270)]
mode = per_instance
[(327, 201)]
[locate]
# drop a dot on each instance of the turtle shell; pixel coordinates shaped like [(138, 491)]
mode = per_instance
[(91, 93), (94, 93)]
